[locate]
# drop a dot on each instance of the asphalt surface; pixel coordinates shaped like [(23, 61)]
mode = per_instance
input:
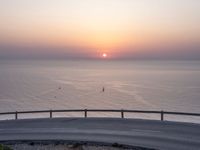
[(162, 135)]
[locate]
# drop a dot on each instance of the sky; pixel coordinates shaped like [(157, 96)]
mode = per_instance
[(123, 29)]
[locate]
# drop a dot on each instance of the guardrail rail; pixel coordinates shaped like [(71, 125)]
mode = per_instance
[(86, 111)]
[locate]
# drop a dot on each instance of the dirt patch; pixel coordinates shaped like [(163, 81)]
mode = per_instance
[(66, 145)]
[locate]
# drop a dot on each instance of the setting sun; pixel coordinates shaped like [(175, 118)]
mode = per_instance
[(104, 55)]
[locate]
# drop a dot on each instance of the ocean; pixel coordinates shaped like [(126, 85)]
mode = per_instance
[(78, 84)]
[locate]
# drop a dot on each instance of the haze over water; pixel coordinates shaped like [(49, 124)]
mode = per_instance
[(146, 85)]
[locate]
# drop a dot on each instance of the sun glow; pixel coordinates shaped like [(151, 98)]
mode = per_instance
[(104, 55)]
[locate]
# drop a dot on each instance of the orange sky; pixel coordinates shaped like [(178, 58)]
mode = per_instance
[(117, 27)]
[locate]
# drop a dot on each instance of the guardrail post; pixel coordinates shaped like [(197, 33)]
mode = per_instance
[(16, 115), (122, 113), (162, 115), (51, 115), (85, 113)]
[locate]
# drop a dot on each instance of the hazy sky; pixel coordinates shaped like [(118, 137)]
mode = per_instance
[(161, 29)]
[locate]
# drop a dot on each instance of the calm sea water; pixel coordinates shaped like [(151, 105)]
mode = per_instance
[(147, 85)]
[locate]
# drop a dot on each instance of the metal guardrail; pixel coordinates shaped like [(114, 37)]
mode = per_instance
[(86, 111)]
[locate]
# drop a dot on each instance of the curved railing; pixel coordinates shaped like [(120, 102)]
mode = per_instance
[(86, 111)]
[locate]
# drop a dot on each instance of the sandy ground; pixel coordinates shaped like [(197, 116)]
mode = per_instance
[(144, 133)]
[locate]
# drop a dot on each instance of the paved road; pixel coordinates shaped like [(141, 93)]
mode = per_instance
[(145, 133)]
